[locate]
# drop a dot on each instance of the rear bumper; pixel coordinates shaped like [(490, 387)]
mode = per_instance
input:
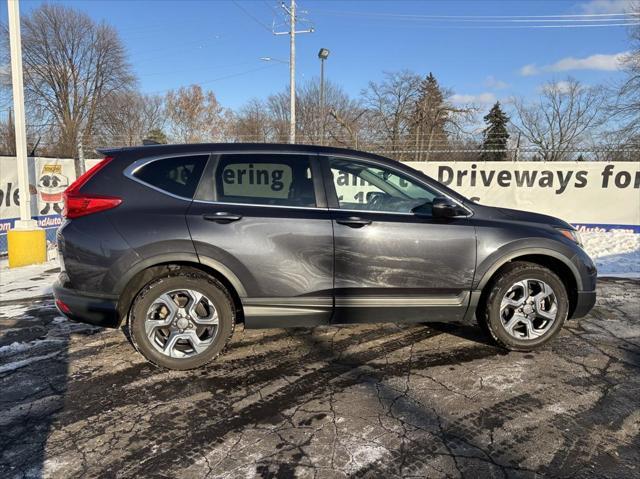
[(84, 308), (584, 302)]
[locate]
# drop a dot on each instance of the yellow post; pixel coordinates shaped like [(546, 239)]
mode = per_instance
[(26, 247)]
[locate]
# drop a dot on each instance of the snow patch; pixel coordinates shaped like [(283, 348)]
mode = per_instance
[(616, 253), (25, 362), (27, 281)]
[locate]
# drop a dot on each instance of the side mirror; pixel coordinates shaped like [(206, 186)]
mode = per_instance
[(444, 208)]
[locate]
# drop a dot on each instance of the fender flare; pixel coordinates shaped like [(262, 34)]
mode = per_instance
[(511, 255), (181, 258)]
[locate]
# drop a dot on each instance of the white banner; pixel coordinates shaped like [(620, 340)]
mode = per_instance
[(589, 195)]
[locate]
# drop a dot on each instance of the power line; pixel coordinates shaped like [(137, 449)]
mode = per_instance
[(233, 75), (482, 17), (252, 17)]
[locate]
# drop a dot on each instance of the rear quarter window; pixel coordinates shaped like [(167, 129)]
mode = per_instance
[(178, 176)]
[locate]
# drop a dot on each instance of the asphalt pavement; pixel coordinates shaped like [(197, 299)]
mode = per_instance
[(379, 401)]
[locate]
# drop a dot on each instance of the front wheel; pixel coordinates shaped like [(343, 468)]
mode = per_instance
[(181, 321), (526, 307)]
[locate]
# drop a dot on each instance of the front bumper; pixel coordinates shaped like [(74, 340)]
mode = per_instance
[(98, 310)]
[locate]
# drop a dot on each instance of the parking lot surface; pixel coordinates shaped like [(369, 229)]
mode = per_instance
[(377, 401)]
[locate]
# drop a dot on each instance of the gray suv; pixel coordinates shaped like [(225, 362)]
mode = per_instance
[(179, 243)]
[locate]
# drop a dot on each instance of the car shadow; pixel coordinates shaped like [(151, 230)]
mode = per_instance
[(33, 381)]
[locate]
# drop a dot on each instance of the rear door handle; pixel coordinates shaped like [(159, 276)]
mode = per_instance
[(222, 217), (354, 222)]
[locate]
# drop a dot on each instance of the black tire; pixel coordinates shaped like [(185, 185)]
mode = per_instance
[(183, 278), (500, 285)]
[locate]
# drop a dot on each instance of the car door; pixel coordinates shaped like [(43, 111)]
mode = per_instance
[(261, 219), (392, 264)]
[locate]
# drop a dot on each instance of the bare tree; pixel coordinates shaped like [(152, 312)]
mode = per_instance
[(561, 120), (314, 119), (626, 108), (195, 115), (252, 122), (390, 104), (71, 65), (127, 118), (278, 110)]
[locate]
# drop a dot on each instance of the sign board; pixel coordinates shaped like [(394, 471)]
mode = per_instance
[(589, 195), (593, 196)]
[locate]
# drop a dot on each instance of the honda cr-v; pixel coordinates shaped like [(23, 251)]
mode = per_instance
[(180, 243)]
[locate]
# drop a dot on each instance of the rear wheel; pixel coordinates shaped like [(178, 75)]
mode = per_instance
[(526, 307), (181, 321)]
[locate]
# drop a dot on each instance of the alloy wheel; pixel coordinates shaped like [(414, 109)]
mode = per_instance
[(181, 323), (528, 309)]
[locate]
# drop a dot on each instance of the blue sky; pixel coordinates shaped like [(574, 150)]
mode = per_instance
[(218, 45)]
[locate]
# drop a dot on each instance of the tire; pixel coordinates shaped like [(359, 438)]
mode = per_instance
[(511, 315), (173, 327)]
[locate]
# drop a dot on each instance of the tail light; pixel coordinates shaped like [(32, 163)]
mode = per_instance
[(77, 204)]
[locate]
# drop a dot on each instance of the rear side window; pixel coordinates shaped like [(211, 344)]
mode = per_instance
[(178, 176), (279, 180)]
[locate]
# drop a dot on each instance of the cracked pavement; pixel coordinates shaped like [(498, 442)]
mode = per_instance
[(372, 401)]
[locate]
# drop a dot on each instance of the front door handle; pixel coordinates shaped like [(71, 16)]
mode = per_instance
[(222, 217), (354, 222)]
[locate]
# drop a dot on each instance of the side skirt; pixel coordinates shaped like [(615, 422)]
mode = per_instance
[(308, 312), (396, 309), (305, 312)]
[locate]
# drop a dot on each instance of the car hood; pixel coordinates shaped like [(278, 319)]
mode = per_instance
[(521, 216)]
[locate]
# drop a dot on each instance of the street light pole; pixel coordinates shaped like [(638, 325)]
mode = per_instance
[(323, 54)]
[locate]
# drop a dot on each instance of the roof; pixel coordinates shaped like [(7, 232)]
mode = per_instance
[(153, 150)]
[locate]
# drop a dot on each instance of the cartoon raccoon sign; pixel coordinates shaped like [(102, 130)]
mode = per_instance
[(48, 179)]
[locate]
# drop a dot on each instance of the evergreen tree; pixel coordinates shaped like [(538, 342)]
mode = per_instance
[(495, 134), (430, 116)]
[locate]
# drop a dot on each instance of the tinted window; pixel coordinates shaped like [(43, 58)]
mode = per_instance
[(360, 186), (179, 176), (282, 180)]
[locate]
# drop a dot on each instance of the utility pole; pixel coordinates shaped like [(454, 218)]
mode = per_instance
[(292, 73), (27, 244), (291, 12)]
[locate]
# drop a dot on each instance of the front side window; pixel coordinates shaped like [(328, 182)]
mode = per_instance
[(278, 180), (360, 186), (178, 176)]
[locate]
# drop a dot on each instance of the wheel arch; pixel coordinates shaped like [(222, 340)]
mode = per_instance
[(550, 259), (152, 270)]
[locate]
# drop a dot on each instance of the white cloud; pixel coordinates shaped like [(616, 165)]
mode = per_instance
[(495, 84), (529, 70), (560, 86), (599, 61), (606, 6), (482, 98)]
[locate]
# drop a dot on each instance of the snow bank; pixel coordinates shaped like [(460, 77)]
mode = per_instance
[(615, 253)]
